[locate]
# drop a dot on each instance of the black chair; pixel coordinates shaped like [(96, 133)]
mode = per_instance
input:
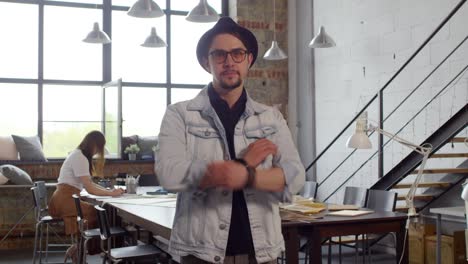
[(88, 234), (130, 253), (309, 190), (353, 196), (43, 219), (379, 201)]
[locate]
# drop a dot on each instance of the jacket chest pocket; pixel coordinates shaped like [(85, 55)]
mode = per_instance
[(206, 143), (266, 131), (260, 132)]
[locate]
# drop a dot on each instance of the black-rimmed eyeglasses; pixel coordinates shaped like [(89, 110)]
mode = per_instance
[(237, 55)]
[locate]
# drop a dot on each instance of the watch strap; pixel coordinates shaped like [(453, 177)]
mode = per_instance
[(251, 173)]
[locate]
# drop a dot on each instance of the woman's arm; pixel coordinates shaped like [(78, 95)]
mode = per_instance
[(96, 189)]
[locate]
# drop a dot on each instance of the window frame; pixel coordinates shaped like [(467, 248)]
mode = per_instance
[(107, 9)]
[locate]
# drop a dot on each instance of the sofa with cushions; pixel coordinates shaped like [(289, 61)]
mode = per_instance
[(22, 162)]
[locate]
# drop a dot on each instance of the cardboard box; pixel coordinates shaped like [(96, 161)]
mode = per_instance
[(416, 234), (446, 249)]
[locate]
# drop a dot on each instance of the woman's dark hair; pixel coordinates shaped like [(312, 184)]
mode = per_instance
[(93, 143)]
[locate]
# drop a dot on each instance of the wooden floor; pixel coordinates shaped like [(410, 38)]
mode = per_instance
[(25, 257)]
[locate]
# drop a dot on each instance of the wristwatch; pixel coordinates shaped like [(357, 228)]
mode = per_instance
[(251, 173)]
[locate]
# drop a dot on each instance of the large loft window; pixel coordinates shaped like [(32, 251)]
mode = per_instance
[(66, 57), (18, 102), (18, 46), (51, 82), (70, 112)]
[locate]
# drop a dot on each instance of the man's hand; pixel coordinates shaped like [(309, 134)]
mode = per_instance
[(227, 174), (257, 152)]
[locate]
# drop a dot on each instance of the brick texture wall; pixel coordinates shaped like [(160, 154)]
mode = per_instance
[(267, 80)]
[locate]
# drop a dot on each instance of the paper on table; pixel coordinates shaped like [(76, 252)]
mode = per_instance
[(336, 207), (140, 201), (302, 208), (350, 212)]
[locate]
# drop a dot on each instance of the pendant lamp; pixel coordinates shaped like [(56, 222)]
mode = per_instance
[(153, 40), (145, 9), (97, 36), (275, 52), (202, 13), (322, 40)]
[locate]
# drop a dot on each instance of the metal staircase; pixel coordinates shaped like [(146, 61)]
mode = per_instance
[(437, 180)]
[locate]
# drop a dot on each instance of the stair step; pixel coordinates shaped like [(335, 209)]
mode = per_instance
[(458, 139), (402, 208), (449, 155), (446, 170), (420, 197), (423, 185)]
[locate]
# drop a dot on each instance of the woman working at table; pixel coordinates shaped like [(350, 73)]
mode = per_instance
[(75, 174)]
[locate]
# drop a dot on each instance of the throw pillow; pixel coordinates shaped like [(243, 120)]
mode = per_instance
[(16, 175), (29, 148), (3, 179), (8, 149), (146, 145), (127, 141)]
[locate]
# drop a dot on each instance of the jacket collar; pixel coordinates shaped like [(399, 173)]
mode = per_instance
[(202, 103)]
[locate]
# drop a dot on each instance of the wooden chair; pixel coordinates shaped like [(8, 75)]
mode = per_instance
[(130, 253)]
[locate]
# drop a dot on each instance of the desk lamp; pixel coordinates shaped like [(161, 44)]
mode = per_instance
[(360, 140)]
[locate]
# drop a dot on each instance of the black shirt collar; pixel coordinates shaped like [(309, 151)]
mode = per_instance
[(219, 103)]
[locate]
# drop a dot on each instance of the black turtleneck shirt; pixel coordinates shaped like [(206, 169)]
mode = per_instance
[(240, 235)]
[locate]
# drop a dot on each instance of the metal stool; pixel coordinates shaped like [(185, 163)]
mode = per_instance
[(39, 193)]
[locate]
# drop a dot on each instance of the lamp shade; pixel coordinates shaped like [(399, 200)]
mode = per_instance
[(322, 40), (153, 40), (145, 9), (202, 13), (97, 36), (359, 139), (275, 52)]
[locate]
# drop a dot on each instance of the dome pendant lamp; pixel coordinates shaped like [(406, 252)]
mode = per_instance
[(145, 9), (202, 13), (275, 52), (322, 40), (97, 36), (153, 40)]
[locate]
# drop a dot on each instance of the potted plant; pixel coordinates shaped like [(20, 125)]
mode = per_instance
[(132, 150)]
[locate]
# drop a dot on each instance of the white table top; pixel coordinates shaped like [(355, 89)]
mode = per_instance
[(451, 211)]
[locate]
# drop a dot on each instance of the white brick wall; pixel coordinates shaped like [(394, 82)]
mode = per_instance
[(379, 36)]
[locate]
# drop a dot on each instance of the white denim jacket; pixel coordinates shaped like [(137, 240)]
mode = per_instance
[(191, 137)]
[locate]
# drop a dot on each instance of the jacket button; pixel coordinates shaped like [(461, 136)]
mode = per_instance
[(222, 226), (225, 193), (217, 258)]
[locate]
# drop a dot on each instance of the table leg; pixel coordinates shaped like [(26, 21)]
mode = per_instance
[(402, 246), (291, 240), (315, 250), (438, 243)]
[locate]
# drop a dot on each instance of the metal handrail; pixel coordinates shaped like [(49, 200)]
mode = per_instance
[(440, 26), (396, 133), (396, 108)]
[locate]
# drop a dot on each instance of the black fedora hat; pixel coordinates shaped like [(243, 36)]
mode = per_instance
[(227, 25)]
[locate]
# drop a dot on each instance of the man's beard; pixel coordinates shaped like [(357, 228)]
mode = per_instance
[(232, 86)]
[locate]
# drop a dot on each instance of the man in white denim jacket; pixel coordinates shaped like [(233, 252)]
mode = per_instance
[(231, 159)]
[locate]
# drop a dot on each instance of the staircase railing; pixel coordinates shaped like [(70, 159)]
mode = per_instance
[(379, 96)]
